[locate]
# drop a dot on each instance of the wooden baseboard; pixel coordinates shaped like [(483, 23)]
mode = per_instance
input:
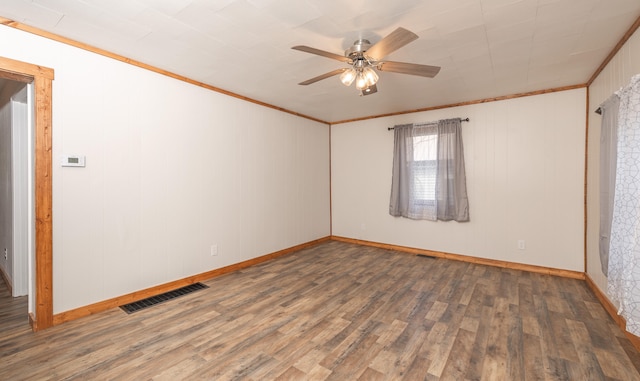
[(470, 259), (5, 279), (146, 293), (613, 311)]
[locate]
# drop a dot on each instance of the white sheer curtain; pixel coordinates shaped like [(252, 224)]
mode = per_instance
[(428, 180), (624, 250)]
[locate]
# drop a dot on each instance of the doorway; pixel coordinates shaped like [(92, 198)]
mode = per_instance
[(40, 78), (16, 192)]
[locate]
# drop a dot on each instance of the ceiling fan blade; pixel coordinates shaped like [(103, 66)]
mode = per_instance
[(323, 76), (392, 42), (409, 68), (322, 53)]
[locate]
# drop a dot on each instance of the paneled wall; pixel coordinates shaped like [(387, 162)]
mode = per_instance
[(525, 178), (617, 74), (171, 169)]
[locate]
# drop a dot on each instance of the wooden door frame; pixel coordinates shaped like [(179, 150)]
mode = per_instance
[(42, 78)]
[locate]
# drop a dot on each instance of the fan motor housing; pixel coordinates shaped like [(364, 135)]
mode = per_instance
[(358, 48)]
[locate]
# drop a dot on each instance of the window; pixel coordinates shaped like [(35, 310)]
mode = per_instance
[(428, 172), (424, 167)]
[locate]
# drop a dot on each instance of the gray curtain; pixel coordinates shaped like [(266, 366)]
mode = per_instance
[(430, 185), (402, 172), (451, 181), (608, 158)]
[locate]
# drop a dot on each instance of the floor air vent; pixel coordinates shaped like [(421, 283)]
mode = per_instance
[(152, 301)]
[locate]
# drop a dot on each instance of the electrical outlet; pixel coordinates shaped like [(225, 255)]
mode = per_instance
[(521, 244), (214, 250)]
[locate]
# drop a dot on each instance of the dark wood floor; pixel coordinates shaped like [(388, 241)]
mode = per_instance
[(338, 311)]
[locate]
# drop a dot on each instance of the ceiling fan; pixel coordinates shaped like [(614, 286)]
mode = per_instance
[(364, 59)]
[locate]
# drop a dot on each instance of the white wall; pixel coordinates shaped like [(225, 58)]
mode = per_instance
[(616, 74), (171, 169), (525, 178)]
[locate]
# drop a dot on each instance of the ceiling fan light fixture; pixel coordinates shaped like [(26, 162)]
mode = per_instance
[(371, 76), (348, 77), (361, 81)]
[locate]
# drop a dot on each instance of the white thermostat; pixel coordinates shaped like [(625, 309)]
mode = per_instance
[(72, 161)]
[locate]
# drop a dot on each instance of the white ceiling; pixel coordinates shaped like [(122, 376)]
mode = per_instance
[(486, 48)]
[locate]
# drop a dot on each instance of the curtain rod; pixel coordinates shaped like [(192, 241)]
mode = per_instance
[(462, 120)]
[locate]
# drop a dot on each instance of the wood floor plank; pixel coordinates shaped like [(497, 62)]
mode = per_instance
[(458, 358), (418, 369), (338, 311), (307, 362), (440, 352), (532, 355), (591, 369), (318, 373), (348, 366), (515, 345), (495, 354), (406, 354), (291, 374), (180, 370), (614, 365), (371, 375), (388, 333), (384, 361), (564, 342)]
